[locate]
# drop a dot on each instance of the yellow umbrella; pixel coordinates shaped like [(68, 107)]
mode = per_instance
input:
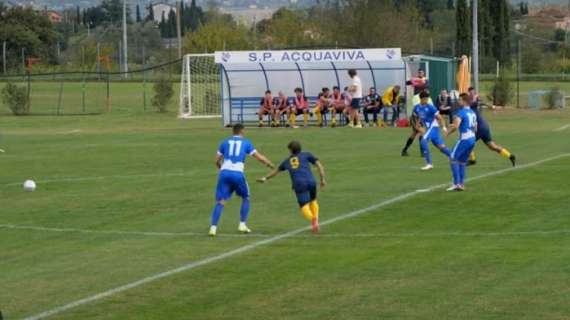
[(463, 75)]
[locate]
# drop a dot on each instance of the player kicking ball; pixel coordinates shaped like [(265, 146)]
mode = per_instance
[(465, 122), (428, 125), (299, 166), (230, 160)]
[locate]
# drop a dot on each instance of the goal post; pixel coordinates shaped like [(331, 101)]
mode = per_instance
[(200, 87)]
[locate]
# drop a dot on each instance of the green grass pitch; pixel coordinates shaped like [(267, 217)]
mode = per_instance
[(125, 197)]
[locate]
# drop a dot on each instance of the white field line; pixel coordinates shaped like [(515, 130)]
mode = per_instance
[(259, 243), (563, 128), (266, 235)]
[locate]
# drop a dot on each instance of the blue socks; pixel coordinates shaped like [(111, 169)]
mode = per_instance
[(244, 211), (461, 173), (425, 150), (217, 214), (455, 173)]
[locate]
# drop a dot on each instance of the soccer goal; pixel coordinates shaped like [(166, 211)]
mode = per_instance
[(200, 93)]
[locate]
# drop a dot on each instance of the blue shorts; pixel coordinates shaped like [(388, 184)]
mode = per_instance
[(305, 193), (355, 104), (462, 150), (230, 182), (433, 135), (484, 133)]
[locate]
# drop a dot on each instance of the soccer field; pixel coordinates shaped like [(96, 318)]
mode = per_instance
[(117, 227)]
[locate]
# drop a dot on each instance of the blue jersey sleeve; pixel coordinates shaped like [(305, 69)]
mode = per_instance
[(416, 111), (433, 109), (283, 165), (222, 148), (312, 159), (248, 148)]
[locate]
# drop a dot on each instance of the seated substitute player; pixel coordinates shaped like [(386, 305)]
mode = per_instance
[(299, 105), (373, 104), (267, 107), (429, 123), (338, 104), (466, 122), (282, 108), (299, 166), (484, 132), (230, 160), (323, 105), (391, 101)]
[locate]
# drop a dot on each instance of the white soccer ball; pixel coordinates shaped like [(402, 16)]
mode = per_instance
[(29, 185)]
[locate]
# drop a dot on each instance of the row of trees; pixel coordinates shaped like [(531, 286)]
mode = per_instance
[(494, 31)]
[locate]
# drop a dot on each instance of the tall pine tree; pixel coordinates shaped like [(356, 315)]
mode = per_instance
[(138, 13), (463, 37), (150, 16), (450, 4)]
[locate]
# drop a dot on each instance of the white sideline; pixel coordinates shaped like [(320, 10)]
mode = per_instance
[(563, 128), (260, 243), (267, 235)]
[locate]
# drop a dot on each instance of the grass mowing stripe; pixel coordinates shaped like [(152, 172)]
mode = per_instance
[(267, 235), (252, 246)]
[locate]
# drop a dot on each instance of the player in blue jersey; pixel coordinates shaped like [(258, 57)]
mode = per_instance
[(484, 132), (230, 160), (465, 122), (299, 166), (429, 122)]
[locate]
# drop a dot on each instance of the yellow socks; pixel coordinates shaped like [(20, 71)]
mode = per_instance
[(319, 116), (293, 119), (505, 153), (305, 118), (315, 208), (473, 156), (307, 213)]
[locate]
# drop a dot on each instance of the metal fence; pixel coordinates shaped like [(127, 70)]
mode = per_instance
[(86, 93)]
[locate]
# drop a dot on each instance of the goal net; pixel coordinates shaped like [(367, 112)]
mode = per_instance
[(200, 93)]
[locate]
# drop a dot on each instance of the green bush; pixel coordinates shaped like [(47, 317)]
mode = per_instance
[(163, 92), (502, 91), (553, 99), (16, 98)]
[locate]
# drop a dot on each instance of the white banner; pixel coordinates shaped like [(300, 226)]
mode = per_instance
[(292, 56)]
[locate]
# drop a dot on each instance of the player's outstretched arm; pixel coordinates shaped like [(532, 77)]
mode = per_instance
[(271, 175), (321, 170), (263, 159)]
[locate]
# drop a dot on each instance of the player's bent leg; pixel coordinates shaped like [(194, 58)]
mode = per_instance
[(502, 151)]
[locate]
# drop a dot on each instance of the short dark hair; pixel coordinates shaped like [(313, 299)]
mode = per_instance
[(268, 92), (325, 89), (424, 94), (470, 89), (238, 128), (336, 88), (352, 72), (298, 90), (294, 147), (465, 98)]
